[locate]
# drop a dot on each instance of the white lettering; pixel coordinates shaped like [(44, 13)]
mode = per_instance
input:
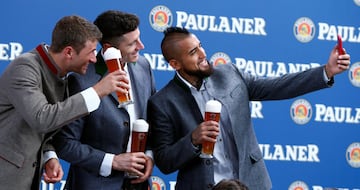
[(302, 150), (191, 22), (52, 186), (157, 62), (249, 26), (278, 153), (256, 107), (298, 153), (315, 187), (13, 48), (268, 69), (313, 151), (330, 32), (335, 114), (172, 185), (3, 52), (318, 187), (281, 70)]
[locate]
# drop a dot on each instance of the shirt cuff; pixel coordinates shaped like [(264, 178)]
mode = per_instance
[(91, 98), (326, 78), (150, 154), (106, 165), (48, 155), (329, 81)]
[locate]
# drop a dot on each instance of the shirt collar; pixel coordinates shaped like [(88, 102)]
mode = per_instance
[(189, 85)]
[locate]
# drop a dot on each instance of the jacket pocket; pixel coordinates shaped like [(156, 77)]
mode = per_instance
[(255, 155), (11, 155)]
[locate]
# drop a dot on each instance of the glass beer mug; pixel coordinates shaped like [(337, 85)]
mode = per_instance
[(212, 113), (112, 57)]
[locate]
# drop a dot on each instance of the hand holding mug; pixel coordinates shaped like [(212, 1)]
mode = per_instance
[(212, 113), (138, 139), (112, 57)]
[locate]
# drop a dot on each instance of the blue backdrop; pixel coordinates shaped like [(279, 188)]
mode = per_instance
[(309, 142)]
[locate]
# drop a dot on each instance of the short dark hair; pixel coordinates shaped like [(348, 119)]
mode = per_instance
[(113, 24), (73, 31), (171, 36)]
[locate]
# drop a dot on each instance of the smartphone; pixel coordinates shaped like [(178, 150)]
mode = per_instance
[(339, 46)]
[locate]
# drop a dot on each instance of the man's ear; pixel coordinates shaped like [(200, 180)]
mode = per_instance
[(105, 46), (68, 51), (174, 64)]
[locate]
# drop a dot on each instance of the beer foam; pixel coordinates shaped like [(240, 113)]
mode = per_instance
[(112, 53), (213, 106), (140, 125)]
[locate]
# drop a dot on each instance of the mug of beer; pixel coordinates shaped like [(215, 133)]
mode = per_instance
[(112, 57), (212, 113), (138, 139), (139, 135)]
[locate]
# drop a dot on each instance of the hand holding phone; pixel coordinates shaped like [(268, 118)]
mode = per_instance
[(339, 46)]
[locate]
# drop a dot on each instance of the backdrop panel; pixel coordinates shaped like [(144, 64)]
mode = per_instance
[(309, 142)]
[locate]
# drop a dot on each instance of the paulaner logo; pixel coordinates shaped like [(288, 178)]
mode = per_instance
[(357, 2), (301, 111), (157, 183), (354, 74), (298, 185), (353, 155), (220, 58), (160, 18), (304, 29), (212, 23)]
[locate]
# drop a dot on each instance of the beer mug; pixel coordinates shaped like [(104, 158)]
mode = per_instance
[(212, 113), (138, 139), (112, 57), (139, 135)]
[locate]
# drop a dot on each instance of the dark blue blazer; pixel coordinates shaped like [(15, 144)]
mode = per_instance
[(84, 142)]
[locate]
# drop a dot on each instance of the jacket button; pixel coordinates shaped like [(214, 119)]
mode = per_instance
[(207, 162), (126, 124), (34, 164)]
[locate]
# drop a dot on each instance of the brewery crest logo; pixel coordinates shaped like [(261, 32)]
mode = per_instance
[(298, 185), (157, 183), (357, 2), (353, 155), (160, 18), (220, 58), (354, 74), (301, 111), (304, 29)]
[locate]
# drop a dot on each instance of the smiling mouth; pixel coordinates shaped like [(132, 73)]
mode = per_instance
[(204, 62)]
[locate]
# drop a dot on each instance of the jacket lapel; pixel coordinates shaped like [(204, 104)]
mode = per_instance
[(215, 88), (136, 76), (186, 94)]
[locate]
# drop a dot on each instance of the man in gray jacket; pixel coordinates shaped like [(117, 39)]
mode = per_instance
[(34, 102), (176, 114)]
